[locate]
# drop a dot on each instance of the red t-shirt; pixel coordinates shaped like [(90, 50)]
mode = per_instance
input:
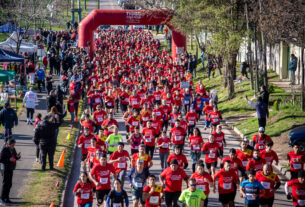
[(203, 181), (212, 155), (99, 117), (88, 124), (269, 156), (260, 141), (177, 135), (165, 147), (215, 117), (195, 142), (134, 122), (173, 179), (256, 165), (102, 175), (268, 183), (85, 141), (219, 137), (207, 109), (298, 192), (120, 165), (181, 158), (225, 181), (159, 113), (149, 135), (135, 101), (154, 200), (296, 161), (86, 194), (191, 118)]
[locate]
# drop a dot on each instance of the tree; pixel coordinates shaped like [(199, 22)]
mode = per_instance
[(224, 20), (282, 20), (24, 14)]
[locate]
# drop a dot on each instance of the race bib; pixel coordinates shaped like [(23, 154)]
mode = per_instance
[(266, 185), (100, 119), (109, 104), (212, 155), (173, 121), (138, 185), (121, 165), (104, 180), (117, 205), (215, 120), (201, 187), (148, 139), (97, 100), (297, 166), (301, 202), (245, 163), (196, 147), (261, 147), (145, 118), (158, 113), (186, 101), (178, 138), (126, 100), (165, 145), (136, 147), (85, 195), (134, 102), (157, 98), (220, 144), (250, 196), (154, 199), (227, 186), (134, 123), (87, 145), (191, 122)]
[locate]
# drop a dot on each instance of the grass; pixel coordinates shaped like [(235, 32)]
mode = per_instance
[(4, 36), (41, 182)]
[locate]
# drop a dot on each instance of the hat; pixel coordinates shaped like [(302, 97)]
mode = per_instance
[(86, 129), (261, 129), (174, 161), (7, 104), (246, 140)]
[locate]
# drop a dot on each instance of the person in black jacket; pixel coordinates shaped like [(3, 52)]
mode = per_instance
[(9, 119), (45, 136), (52, 99), (264, 94), (52, 63), (8, 157)]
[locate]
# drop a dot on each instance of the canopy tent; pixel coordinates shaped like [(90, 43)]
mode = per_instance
[(8, 56), (10, 44), (6, 76)]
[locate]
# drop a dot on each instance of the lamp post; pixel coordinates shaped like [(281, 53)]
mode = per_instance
[(256, 61)]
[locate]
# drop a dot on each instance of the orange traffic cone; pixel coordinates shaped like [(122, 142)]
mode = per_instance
[(61, 159), (52, 204)]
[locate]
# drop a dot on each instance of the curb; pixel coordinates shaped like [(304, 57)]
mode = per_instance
[(279, 168), (67, 179)]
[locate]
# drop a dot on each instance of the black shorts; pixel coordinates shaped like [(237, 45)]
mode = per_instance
[(84, 157), (215, 125), (109, 107), (123, 107), (209, 165), (266, 201), (101, 195), (225, 198)]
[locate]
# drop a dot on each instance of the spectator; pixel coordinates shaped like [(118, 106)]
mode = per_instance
[(30, 98), (243, 69), (40, 79), (51, 100), (8, 118), (49, 83), (8, 157), (264, 94), (261, 110), (292, 68)]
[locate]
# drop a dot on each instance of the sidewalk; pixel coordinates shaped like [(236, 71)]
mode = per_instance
[(23, 134)]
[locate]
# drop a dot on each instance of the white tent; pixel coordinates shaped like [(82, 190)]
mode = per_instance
[(10, 44)]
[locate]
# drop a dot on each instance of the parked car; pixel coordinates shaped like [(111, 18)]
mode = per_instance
[(121, 2), (297, 136)]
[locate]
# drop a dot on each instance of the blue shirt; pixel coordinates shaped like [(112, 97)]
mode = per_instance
[(251, 189)]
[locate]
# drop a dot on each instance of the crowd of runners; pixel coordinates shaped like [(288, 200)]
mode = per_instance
[(131, 76)]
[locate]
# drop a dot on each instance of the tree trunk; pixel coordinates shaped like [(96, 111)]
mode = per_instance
[(225, 71), (231, 66), (302, 81)]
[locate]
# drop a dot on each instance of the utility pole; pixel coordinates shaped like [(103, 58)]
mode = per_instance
[(79, 11), (249, 55), (72, 11), (256, 61), (302, 81)]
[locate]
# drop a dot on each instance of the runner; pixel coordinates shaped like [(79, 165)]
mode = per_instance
[(227, 184), (192, 197), (256, 163), (83, 190), (296, 162), (117, 197), (84, 141), (141, 155), (203, 180), (298, 189), (135, 140), (172, 178), (164, 143), (179, 156), (260, 139), (196, 143)]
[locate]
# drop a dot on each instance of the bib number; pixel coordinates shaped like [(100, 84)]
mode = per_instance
[(227, 186), (201, 187), (104, 180), (85, 195), (212, 155), (117, 205), (301, 202), (266, 185), (154, 199), (121, 165), (297, 166)]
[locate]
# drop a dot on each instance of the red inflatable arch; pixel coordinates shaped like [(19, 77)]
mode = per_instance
[(128, 17)]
